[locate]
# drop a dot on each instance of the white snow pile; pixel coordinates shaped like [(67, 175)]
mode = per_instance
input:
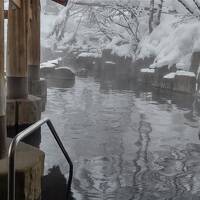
[(147, 70), (46, 64), (50, 63), (172, 43), (65, 68), (110, 62), (179, 73), (185, 73), (170, 75)]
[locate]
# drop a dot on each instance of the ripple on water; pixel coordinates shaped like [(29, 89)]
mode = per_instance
[(128, 144)]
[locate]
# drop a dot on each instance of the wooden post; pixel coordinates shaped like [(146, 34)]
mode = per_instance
[(36, 85), (2, 86), (17, 82), (34, 40)]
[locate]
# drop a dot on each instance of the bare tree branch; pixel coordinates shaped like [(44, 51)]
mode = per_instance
[(186, 6)]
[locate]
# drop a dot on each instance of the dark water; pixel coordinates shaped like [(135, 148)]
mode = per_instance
[(126, 142)]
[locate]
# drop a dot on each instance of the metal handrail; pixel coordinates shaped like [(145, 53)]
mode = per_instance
[(12, 151)]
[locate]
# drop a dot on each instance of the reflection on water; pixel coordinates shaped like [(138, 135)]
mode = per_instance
[(62, 83), (54, 185), (127, 141)]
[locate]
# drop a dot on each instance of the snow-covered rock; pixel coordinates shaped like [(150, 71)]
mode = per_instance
[(47, 65), (170, 75), (63, 73), (50, 70), (185, 73), (147, 70), (184, 82)]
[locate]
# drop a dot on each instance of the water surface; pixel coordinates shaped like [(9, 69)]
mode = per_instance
[(126, 142)]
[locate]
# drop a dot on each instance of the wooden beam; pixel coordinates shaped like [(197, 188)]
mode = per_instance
[(17, 3), (34, 33), (17, 86), (2, 86)]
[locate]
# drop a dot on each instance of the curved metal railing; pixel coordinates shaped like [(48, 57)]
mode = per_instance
[(12, 152)]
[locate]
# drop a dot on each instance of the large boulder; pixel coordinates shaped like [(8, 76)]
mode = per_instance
[(63, 73), (46, 69), (50, 71), (185, 82), (167, 81)]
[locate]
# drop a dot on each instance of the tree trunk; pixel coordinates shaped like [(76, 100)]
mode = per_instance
[(2, 86), (151, 16), (160, 6)]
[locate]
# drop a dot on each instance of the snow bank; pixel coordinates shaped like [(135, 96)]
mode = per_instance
[(172, 44)]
